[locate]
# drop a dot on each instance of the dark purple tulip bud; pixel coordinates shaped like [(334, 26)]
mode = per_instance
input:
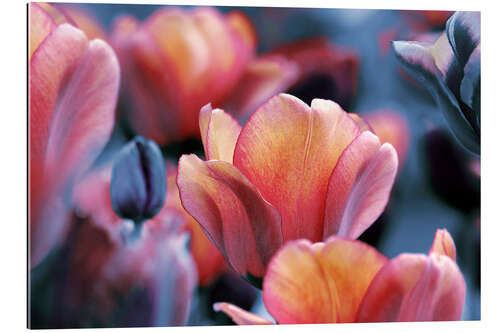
[(138, 181), (451, 70)]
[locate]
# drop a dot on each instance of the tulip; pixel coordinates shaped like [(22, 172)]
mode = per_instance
[(450, 69), (113, 281), (178, 60), (73, 87), (138, 181), (326, 70), (292, 171), (345, 281)]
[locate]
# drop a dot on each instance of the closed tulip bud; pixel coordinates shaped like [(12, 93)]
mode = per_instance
[(138, 181)]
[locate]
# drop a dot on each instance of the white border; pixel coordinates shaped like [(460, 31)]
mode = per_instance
[(13, 163)]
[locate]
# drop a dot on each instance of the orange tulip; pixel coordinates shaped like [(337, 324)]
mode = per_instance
[(178, 60), (73, 86), (345, 281), (291, 172)]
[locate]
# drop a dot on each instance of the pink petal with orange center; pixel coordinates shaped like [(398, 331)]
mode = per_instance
[(240, 316), (203, 56), (40, 25), (443, 244), (321, 282), (219, 132), (244, 227), (288, 151), (415, 287), (359, 187), (176, 62)]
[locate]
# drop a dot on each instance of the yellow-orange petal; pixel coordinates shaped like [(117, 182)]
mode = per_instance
[(359, 187), (243, 227), (321, 282), (243, 26), (40, 25), (443, 244), (392, 127), (219, 132), (415, 287), (288, 151), (240, 316), (55, 12)]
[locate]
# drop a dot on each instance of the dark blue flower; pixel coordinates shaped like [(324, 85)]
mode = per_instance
[(138, 180), (451, 70)]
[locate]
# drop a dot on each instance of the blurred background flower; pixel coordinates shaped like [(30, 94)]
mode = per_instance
[(73, 86), (113, 271), (178, 60)]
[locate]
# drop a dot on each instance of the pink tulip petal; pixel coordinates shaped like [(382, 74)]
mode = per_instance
[(40, 25), (84, 116), (209, 262), (288, 151), (174, 282), (219, 132), (240, 316), (245, 228), (91, 197), (443, 244), (264, 77), (73, 89), (414, 287), (84, 20), (359, 186), (202, 56), (321, 282), (176, 62)]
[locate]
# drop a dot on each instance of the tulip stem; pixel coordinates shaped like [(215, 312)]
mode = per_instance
[(137, 231)]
